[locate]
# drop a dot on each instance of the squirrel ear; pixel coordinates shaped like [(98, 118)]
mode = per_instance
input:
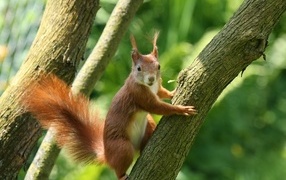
[(155, 48), (134, 53)]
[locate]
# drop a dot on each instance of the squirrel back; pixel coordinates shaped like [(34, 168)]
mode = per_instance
[(76, 127)]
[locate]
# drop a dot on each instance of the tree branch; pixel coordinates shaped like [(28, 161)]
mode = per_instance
[(57, 48), (241, 41), (106, 46)]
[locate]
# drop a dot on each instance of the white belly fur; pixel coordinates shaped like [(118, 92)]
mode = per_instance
[(138, 129), (154, 88)]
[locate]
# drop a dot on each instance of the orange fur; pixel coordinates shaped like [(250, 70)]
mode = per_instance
[(75, 126), (128, 125)]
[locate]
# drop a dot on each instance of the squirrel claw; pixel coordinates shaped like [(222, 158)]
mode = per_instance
[(187, 110), (172, 93)]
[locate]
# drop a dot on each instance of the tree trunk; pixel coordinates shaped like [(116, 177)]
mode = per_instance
[(242, 40), (57, 48)]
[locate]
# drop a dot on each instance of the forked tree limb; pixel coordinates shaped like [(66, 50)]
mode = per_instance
[(241, 41), (85, 80)]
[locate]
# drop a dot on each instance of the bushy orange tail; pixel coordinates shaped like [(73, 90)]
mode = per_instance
[(76, 128)]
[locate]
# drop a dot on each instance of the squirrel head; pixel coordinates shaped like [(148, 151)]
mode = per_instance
[(145, 68)]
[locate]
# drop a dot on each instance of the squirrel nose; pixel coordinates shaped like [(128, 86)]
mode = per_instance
[(151, 79)]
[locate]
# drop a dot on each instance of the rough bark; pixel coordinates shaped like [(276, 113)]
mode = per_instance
[(91, 71), (57, 48), (241, 41)]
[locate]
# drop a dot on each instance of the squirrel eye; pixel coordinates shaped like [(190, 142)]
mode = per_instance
[(159, 67), (138, 68)]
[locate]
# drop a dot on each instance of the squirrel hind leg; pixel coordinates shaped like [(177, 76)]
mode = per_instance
[(119, 156)]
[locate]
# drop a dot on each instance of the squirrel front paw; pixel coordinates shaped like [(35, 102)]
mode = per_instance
[(187, 110), (172, 93)]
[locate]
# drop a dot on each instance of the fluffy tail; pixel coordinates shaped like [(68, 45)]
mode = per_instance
[(76, 128)]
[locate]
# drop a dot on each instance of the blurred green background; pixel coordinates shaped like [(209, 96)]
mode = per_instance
[(243, 136)]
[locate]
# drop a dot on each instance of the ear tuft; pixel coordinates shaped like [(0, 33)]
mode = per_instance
[(133, 42), (134, 53), (155, 48)]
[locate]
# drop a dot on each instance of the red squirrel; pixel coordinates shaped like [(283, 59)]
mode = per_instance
[(128, 124)]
